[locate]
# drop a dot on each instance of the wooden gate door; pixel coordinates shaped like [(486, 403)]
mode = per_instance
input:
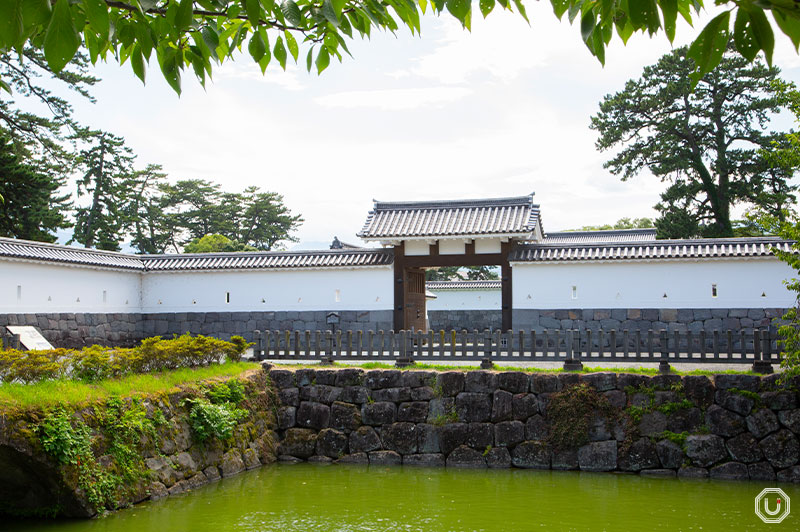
[(415, 311)]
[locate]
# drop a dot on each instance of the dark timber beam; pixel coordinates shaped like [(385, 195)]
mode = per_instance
[(399, 289), (506, 287)]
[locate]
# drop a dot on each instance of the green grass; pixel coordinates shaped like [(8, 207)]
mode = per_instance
[(440, 367), (74, 393)]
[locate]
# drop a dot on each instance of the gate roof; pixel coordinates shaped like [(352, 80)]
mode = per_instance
[(516, 217)]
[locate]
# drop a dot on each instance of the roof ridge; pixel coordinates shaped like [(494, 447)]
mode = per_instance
[(413, 205), (54, 245)]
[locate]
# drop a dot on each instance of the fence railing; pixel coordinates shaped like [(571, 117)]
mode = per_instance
[(572, 346), (9, 340)]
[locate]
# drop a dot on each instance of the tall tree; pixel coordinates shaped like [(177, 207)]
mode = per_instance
[(32, 207), (153, 229), (108, 178), (202, 33), (622, 223), (265, 220), (707, 144), (42, 133)]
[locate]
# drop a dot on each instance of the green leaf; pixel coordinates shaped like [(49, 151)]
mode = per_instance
[(669, 8), (486, 7), (644, 14), (521, 9), (280, 52), (292, 13), (329, 12), (323, 60), (211, 38), (168, 61), (35, 12), (790, 26), (587, 25), (331, 42), (457, 8), (743, 36), (560, 7), (253, 10), (709, 46), (762, 31), (137, 62), (291, 43), (10, 23), (309, 59), (97, 13), (183, 17), (61, 40), (256, 47)]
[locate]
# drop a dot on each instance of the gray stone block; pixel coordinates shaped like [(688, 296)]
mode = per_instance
[(598, 456)]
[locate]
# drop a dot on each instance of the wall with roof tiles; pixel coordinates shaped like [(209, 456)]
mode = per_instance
[(28, 287), (753, 283), (272, 290)]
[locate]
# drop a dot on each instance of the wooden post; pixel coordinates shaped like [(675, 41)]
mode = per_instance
[(612, 343), (571, 363), (663, 363), (759, 364)]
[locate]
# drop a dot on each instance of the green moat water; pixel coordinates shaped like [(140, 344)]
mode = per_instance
[(311, 497)]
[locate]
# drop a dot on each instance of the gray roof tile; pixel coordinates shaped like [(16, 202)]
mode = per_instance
[(485, 217), (437, 286), (657, 249), (591, 237)]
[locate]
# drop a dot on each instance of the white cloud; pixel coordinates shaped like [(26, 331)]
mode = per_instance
[(393, 99)]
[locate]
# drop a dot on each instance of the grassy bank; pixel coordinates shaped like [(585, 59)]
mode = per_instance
[(69, 392), (441, 367)]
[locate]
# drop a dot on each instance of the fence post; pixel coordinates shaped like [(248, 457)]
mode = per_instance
[(570, 364), (327, 360), (257, 345), (406, 357), (487, 363), (663, 362), (759, 364)]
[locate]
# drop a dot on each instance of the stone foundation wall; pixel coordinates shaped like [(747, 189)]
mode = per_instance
[(175, 461), (78, 330), (726, 427), (632, 319)]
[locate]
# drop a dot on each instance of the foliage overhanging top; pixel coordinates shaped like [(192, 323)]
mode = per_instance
[(200, 33)]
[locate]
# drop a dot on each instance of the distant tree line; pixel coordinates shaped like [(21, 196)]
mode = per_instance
[(115, 201)]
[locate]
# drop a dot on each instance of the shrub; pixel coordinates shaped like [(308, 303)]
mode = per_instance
[(213, 421), (32, 366), (96, 362)]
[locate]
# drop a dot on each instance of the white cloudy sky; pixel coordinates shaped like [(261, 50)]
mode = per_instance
[(501, 111)]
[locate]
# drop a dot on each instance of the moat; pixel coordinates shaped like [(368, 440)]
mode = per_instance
[(311, 497)]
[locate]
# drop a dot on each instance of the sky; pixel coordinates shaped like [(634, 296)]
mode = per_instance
[(501, 111)]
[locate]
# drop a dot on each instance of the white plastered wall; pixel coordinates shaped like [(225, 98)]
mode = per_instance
[(687, 284), (465, 300), (268, 290), (32, 287)]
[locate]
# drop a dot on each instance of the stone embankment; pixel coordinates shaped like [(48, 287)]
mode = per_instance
[(725, 427), (136, 449)]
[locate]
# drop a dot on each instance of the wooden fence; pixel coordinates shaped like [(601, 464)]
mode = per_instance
[(756, 347)]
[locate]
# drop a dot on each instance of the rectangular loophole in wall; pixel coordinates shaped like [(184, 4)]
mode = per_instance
[(337, 295), (574, 292), (227, 297), (19, 292), (105, 296), (713, 290)]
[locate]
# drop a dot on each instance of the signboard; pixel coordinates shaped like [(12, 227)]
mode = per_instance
[(29, 337), (332, 318)]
